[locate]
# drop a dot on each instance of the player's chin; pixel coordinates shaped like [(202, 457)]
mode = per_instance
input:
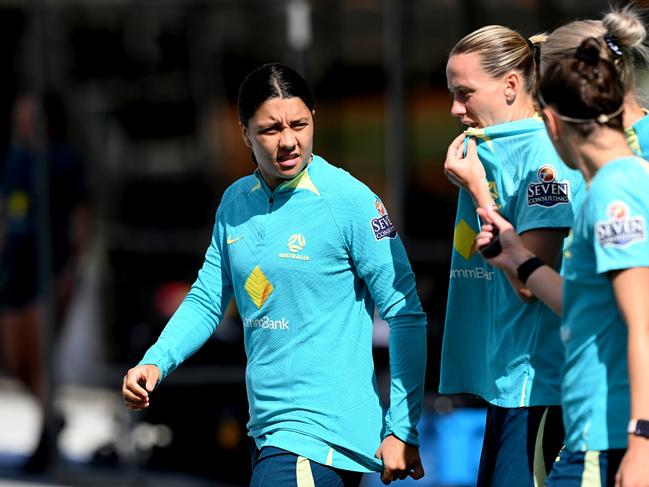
[(292, 172)]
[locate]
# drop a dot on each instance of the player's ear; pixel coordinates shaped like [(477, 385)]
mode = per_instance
[(552, 123), (245, 135), (513, 83)]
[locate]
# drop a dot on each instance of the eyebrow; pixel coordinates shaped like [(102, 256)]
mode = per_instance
[(300, 120), (277, 123), (269, 125), (460, 88)]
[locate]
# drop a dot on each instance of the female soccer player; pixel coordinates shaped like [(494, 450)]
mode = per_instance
[(496, 346), (621, 34), (308, 252), (602, 296)]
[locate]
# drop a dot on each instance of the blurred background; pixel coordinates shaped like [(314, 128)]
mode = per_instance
[(118, 135)]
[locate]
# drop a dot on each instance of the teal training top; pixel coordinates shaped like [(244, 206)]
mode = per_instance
[(610, 234), (638, 137), (496, 346), (307, 264)]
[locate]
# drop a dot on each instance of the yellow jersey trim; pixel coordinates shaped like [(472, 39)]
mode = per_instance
[(301, 181), (303, 473), (592, 476)]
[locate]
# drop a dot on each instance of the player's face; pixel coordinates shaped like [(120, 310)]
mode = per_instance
[(478, 99), (280, 134)]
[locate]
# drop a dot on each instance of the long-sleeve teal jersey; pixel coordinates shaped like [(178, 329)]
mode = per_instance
[(307, 264)]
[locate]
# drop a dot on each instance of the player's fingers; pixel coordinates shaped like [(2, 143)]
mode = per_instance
[(134, 381), (471, 147), (496, 218), (136, 407), (133, 390), (152, 378), (483, 237), (136, 402), (455, 149), (417, 470), (130, 397), (387, 476)]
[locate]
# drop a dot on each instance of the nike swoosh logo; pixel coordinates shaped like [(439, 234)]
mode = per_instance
[(232, 240)]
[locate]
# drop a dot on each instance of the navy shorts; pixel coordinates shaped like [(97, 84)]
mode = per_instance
[(585, 468), (520, 445), (272, 467)]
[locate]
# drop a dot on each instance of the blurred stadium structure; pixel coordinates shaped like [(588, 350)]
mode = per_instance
[(150, 87)]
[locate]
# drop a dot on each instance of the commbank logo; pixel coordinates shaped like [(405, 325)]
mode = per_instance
[(474, 273), (258, 287), (266, 323)]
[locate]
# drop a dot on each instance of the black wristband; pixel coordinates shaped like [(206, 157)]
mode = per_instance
[(525, 270), (639, 427)]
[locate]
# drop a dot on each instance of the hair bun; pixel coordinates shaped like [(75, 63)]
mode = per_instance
[(589, 51), (626, 25)]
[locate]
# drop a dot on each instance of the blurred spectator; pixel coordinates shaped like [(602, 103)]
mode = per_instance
[(21, 287)]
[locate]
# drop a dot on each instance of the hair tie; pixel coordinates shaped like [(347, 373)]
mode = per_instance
[(602, 118), (613, 44)]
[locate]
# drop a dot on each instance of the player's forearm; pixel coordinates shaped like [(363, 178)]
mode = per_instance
[(407, 370), (188, 329), (631, 287), (480, 193), (638, 356), (547, 285)]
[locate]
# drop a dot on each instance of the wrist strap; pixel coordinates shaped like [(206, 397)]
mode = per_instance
[(638, 427), (525, 270)]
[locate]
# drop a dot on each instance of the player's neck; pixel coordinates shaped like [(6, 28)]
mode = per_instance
[(599, 149)]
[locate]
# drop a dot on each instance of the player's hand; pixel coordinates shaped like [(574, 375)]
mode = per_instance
[(465, 171), (138, 383), (634, 469), (399, 460), (513, 252)]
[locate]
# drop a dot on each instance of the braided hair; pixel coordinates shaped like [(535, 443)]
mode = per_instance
[(584, 90)]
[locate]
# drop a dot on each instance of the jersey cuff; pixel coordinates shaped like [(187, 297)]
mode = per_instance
[(404, 434)]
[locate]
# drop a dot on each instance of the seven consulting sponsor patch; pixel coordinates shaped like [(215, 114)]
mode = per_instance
[(621, 229), (548, 192), (382, 226)]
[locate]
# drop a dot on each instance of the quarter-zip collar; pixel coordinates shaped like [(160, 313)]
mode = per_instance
[(301, 181)]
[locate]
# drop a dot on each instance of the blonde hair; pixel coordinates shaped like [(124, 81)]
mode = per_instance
[(625, 25), (501, 50)]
